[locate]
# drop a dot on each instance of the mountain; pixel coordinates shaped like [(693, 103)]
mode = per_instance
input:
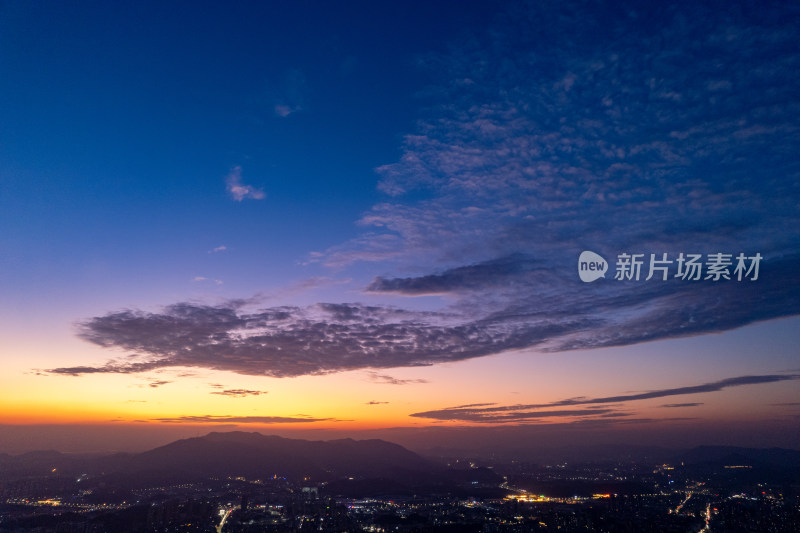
[(254, 456), (353, 465), (734, 455), (46, 462)]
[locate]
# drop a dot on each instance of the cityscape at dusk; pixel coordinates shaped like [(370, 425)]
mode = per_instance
[(466, 226), (399, 267)]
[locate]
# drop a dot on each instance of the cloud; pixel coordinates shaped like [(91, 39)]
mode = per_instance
[(303, 285), (239, 191), (493, 273), (517, 416), (691, 404), (491, 413), (389, 380), (506, 414), (373, 402), (158, 383), (202, 278), (278, 341), (472, 405), (290, 341), (239, 393), (292, 95), (218, 249), (112, 367), (209, 419), (662, 130), (614, 140), (283, 110)]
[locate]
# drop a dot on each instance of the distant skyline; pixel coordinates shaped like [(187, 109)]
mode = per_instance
[(365, 219)]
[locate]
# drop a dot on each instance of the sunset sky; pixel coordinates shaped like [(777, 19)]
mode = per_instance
[(344, 218)]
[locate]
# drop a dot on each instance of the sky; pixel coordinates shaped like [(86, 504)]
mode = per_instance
[(568, 221)]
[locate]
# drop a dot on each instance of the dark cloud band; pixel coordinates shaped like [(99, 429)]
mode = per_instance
[(291, 341), (526, 413)]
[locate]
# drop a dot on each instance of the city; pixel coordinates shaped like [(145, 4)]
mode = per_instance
[(703, 493)]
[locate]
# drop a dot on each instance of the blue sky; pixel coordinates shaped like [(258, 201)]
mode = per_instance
[(137, 113), (312, 189)]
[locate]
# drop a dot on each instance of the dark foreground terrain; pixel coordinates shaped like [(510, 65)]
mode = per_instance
[(243, 482)]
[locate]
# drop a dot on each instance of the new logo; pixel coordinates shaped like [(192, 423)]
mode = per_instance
[(591, 266)]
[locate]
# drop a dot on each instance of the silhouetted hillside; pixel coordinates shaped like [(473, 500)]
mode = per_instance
[(257, 456), (733, 455)]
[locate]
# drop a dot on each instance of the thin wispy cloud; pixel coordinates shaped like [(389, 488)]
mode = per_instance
[(218, 249), (239, 393), (291, 95), (389, 380), (303, 285), (491, 413), (240, 191), (209, 419), (198, 279), (283, 110), (489, 274)]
